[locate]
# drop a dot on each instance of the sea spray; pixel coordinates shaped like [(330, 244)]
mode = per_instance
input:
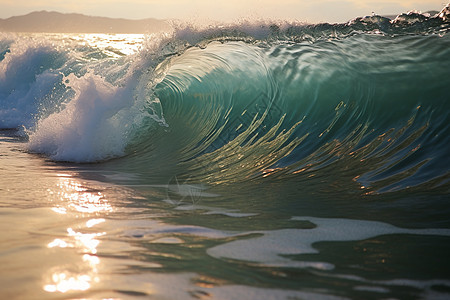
[(88, 128)]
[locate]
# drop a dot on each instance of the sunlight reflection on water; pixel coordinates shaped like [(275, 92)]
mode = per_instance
[(80, 198), (76, 198), (126, 44)]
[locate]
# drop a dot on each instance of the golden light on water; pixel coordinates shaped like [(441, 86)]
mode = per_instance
[(85, 241), (59, 243), (59, 210), (93, 222), (76, 199), (115, 45), (64, 282), (76, 196)]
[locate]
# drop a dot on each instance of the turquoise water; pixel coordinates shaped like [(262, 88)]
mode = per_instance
[(250, 161)]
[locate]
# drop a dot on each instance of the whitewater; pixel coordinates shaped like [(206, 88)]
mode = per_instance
[(254, 160)]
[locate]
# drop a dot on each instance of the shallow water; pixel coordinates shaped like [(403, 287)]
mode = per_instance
[(71, 232), (259, 163)]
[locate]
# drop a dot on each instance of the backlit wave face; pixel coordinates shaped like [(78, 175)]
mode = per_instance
[(251, 101), (237, 111)]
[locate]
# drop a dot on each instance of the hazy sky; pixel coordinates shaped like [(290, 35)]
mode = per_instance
[(301, 10)]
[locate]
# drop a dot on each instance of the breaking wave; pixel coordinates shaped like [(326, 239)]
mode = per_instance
[(366, 101)]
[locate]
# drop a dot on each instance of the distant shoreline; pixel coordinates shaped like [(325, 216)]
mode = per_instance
[(55, 22)]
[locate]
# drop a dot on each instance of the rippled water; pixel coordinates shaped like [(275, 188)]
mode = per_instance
[(246, 162), (85, 231)]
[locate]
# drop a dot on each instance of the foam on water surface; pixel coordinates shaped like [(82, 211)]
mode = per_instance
[(271, 248)]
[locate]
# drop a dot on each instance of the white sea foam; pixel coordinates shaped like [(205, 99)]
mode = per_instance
[(98, 121), (26, 75), (91, 127), (270, 248)]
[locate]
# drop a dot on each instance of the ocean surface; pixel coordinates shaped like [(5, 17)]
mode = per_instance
[(253, 160)]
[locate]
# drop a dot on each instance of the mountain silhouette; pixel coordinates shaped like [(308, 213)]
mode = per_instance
[(55, 22)]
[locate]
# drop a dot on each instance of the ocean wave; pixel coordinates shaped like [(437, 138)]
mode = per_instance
[(366, 101)]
